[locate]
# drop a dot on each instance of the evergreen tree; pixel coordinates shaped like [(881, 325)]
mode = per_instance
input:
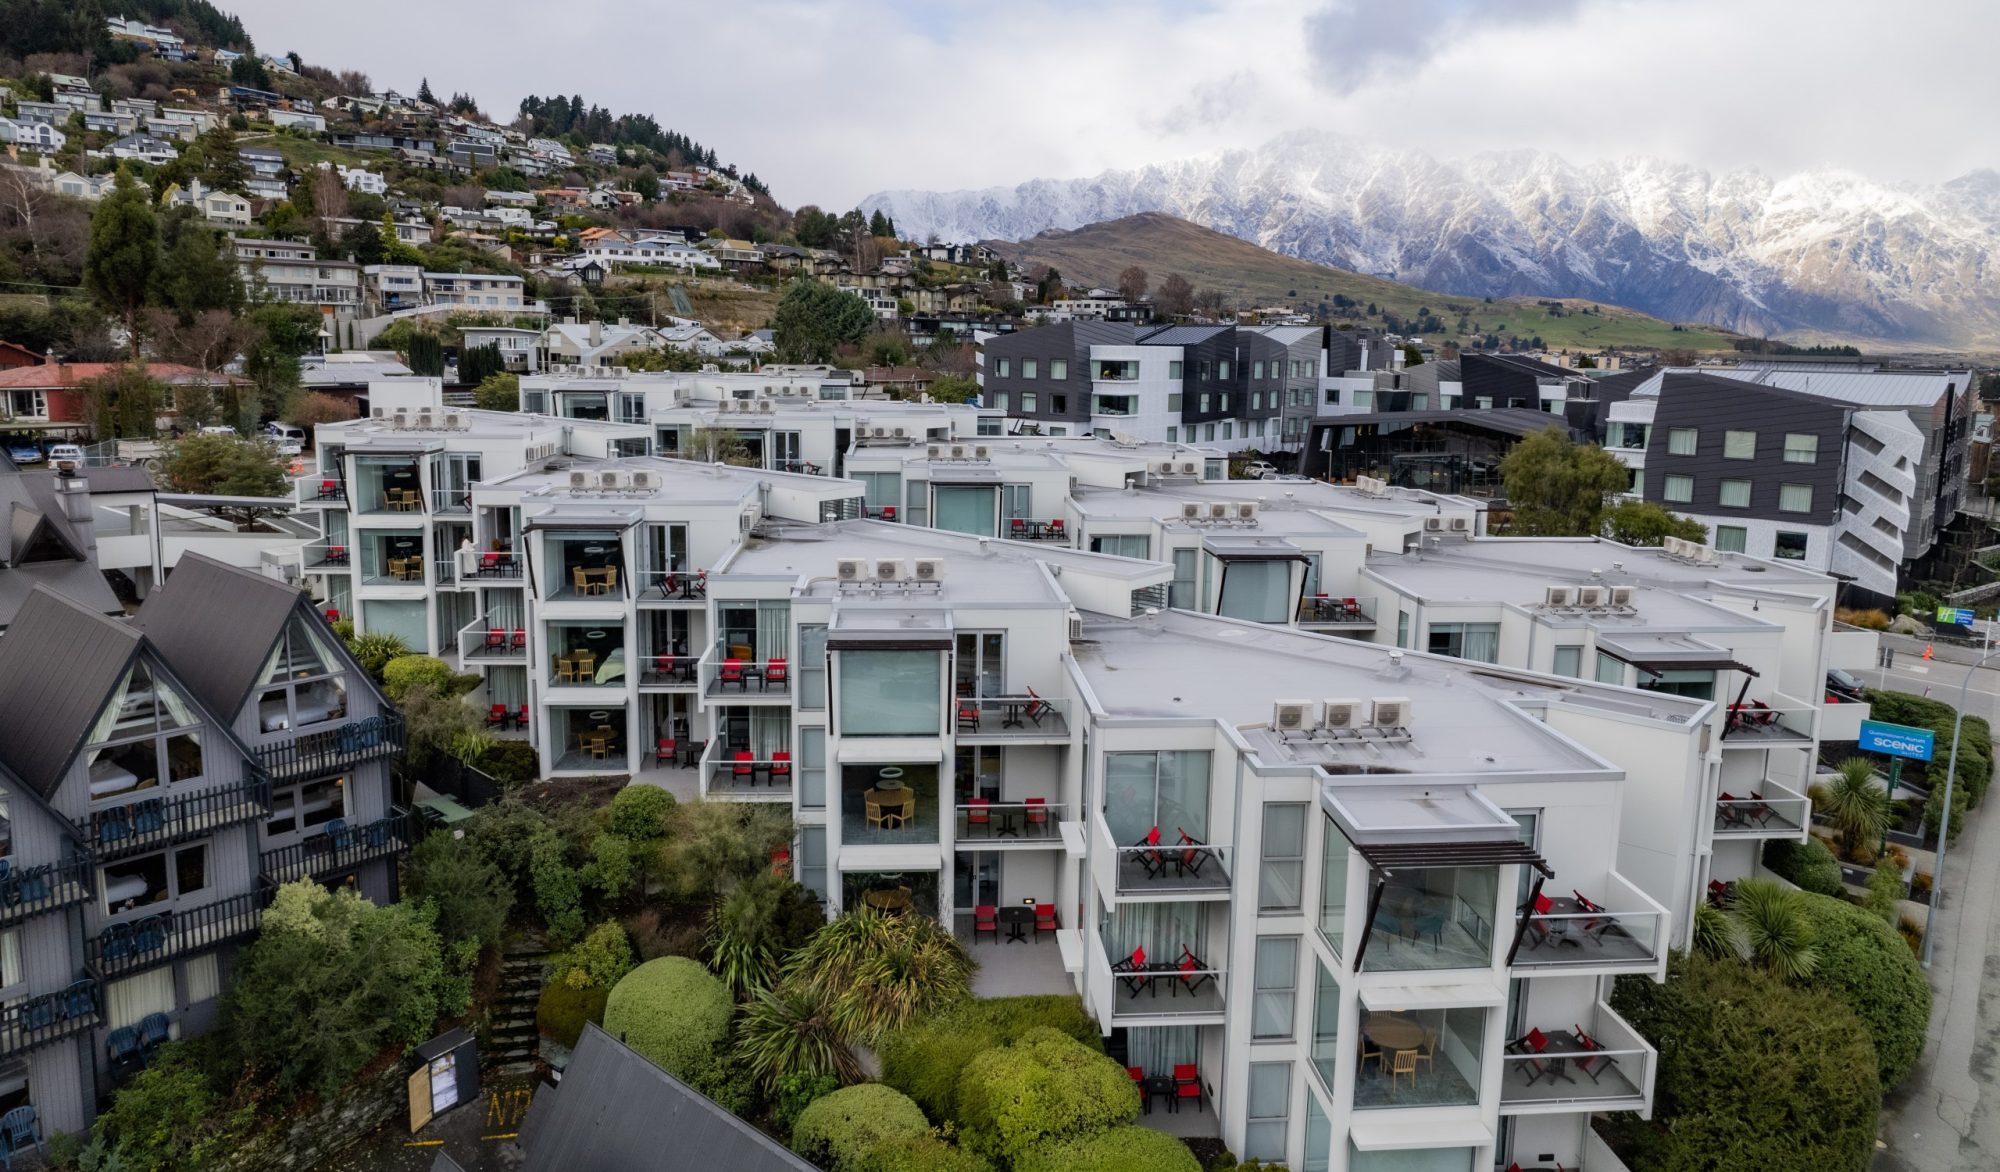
[(878, 224), (424, 93), (197, 269), (815, 319), (124, 254)]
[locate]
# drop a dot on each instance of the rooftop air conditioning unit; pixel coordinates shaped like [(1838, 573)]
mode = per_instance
[(1246, 511), (1707, 555), (900, 432), (1075, 627), (1391, 712), (958, 451), (927, 570), (766, 406), (611, 478), (1340, 715), (850, 570), (936, 451), (1290, 716), (981, 452), (453, 421), (878, 433), (645, 481), (1218, 511), (1674, 547), (376, 413), (1190, 510), (1621, 596), (888, 569), (1560, 596), (1461, 524), (1190, 468), (1434, 524), (1590, 596)]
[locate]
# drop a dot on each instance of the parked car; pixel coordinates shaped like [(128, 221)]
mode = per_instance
[(23, 452), (66, 459), (1843, 684), (286, 433), (1260, 470), (218, 429)]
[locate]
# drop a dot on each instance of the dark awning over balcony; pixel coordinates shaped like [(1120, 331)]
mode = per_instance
[(1405, 856)]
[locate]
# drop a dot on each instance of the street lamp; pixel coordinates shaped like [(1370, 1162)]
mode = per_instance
[(1944, 816)]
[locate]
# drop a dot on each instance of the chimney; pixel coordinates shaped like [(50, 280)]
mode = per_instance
[(597, 333)]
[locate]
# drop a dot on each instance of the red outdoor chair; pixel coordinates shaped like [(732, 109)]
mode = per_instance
[(1138, 1073), (777, 672), (1151, 859), (732, 673), (1045, 918), (328, 489), (520, 640), (497, 714), (781, 767), (979, 813), (521, 718), (1056, 527), (1187, 1083), (489, 562), (1132, 971), (1035, 707), (1038, 813), (986, 919), (741, 768), (888, 512), (332, 614), (336, 553), (968, 713), (1193, 854), (496, 640), (1191, 973), (1017, 527), (663, 750)]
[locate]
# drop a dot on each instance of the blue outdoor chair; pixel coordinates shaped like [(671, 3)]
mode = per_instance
[(154, 1030), (149, 817), (340, 833), (115, 943), (149, 935), (79, 1000), (122, 1047), (30, 886), (113, 826), (19, 1133), (39, 1014), (376, 834)]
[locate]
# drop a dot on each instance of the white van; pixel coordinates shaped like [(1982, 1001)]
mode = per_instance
[(286, 432)]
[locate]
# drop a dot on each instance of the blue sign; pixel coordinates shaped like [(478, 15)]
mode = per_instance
[(1897, 740), (1954, 616)]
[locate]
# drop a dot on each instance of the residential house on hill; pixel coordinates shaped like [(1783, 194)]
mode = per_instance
[(49, 393), (38, 136), (590, 344), (145, 148)]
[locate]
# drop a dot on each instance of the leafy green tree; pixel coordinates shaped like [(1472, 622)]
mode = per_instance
[(1753, 1073), (954, 389), (639, 812), (1130, 1148), (1046, 1088), (647, 184), (1866, 964), (124, 401), (672, 1011), (170, 1115), (924, 1060), (755, 927), (1807, 864), (711, 845), (878, 225), (790, 1032), (1855, 804), (558, 888), (249, 71), (225, 465), (839, 1130), (471, 896), (599, 961), (663, 358), (284, 333), (1648, 523), (1557, 488), (396, 250), (375, 649), (330, 980), (124, 254), (218, 161), (498, 392), (411, 671), (815, 319)]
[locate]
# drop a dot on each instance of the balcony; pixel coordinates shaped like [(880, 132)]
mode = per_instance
[(736, 678), (739, 776), (321, 753), (1337, 612), (894, 805), (1005, 720), (154, 940), (1840, 718), (30, 891), (1613, 1072), (1768, 810), (319, 491), (485, 641), (1178, 989), (1022, 529), (342, 848), (451, 501), (1009, 824), (1179, 870), (496, 565), (38, 1021), (668, 671), (326, 556), (152, 822), (673, 586), (1570, 938), (1755, 724)]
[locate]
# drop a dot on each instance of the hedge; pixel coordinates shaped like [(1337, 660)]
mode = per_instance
[(404, 672), (920, 1153), (639, 812), (673, 1011), (561, 1012), (1975, 753), (838, 1131), (1865, 963), (1753, 1073), (1809, 865), (1046, 1087), (925, 1060), (1122, 1149)]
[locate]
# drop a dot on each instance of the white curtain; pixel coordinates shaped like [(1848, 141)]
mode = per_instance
[(135, 997), (204, 978), (1162, 929), (1482, 642), (768, 730), (774, 621), (10, 958), (1158, 1049)]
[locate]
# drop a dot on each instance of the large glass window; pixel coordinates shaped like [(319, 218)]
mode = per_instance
[(583, 564), (1411, 1160), (147, 736), (1433, 918), (980, 666), (303, 681), (583, 654), (1124, 545), (1269, 1117), (1319, 1135), (1795, 498), (891, 693), (1730, 538), (1475, 641), (1326, 1055), (964, 509), (1144, 790), (1610, 670), (812, 768), (1420, 1058), (1739, 445), (1281, 879), (1681, 440), (1789, 546), (1274, 1008), (403, 618), (1257, 591), (880, 489), (1333, 887), (1734, 494), (1801, 449), (1568, 661), (6, 827), (1181, 592), (812, 860), (811, 667), (1698, 684)]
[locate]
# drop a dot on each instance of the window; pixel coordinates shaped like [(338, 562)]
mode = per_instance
[(126, 1002), (1281, 881), (1222, 370), (1272, 1010), (1699, 685), (1609, 670), (1403, 629), (1228, 430), (1124, 545), (1795, 498), (1681, 441), (812, 768), (1319, 1136), (1204, 408), (1459, 1035), (1144, 790), (811, 666), (1257, 371), (1027, 402), (1326, 1055), (1678, 487), (1333, 886), (1059, 404), (1028, 368), (1180, 593), (1268, 1118), (10, 959), (1176, 369), (1256, 591), (1729, 538), (1569, 662), (1475, 641), (1789, 546), (891, 693), (1734, 494), (1174, 402), (1739, 445), (812, 860), (1004, 368), (1333, 396), (1409, 1160), (1172, 433), (1801, 449), (1059, 369), (145, 737), (1000, 400), (306, 808), (1207, 432)]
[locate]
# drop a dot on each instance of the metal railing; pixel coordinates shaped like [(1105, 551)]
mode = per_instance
[(327, 555), (1171, 866), (37, 1021), (668, 671), (150, 822), (320, 753), (1755, 722), (341, 847), (1023, 529), (722, 773), (1337, 610), (1026, 821), (320, 489), (722, 675), (1764, 809), (153, 940), (673, 585), (484, 639), (1616, 1065), (496, 564), (1010, 716), (30, 891)]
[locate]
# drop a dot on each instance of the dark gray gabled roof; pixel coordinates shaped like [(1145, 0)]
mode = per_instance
[(59, 663), (614, 1112), (1183, 335), (216, 624)]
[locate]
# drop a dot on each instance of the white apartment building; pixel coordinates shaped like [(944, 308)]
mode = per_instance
[(363, 181), (289, 270), (476, 290)]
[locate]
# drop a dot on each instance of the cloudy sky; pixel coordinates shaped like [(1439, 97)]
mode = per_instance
[(830, 100)]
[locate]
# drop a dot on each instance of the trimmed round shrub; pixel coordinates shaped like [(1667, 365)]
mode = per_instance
[(401, 674), (673, 1011), (920, 1153), (1865, 963), (563, 1009), (1809, 865), (639, 812), (839, 1130), (1753, 1073), (1047, 1087), (1122, 1149), (925, 1060)]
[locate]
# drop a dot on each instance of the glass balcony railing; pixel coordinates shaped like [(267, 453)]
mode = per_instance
[(673, 585), (742, 774), (489, 638), (1621, 929), (1190, 868), (1333, 610), (320, 491), (1606, 1067), (1755, 724), (1002, 718), (1761, 809), (1028, 821), (327, 555)]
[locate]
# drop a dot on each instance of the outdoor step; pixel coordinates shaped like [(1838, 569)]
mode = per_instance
[(517, 1052)]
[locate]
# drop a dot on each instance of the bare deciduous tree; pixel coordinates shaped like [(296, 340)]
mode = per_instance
[(1132, 282), (329, 198), (1176, 296)]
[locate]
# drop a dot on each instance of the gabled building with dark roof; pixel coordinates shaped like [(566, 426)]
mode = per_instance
[(47, 538)]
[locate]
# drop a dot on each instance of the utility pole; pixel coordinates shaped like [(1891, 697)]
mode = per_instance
[(1944, 815)]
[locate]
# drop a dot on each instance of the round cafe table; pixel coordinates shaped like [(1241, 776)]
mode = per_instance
[(1393, 1031)]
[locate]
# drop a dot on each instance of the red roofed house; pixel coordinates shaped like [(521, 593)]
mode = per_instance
[(48, 393), (14, 354)]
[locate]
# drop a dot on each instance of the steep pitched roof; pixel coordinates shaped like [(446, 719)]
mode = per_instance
[(59, 663), (615, 1111), (33, 524)]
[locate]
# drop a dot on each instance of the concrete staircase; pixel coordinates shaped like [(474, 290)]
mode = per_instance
[(511, 1041)]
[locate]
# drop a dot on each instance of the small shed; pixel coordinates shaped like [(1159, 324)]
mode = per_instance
[(447, 1074)]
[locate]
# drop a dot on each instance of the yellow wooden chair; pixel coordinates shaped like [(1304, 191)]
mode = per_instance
[(1405, 1063)]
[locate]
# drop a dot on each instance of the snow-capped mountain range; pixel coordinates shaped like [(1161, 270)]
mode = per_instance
[(1813, 254)]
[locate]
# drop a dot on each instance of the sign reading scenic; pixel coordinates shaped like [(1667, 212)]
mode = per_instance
[(1897, 740)]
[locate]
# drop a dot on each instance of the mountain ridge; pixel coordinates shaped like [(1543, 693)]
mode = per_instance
[(1817, 255)]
